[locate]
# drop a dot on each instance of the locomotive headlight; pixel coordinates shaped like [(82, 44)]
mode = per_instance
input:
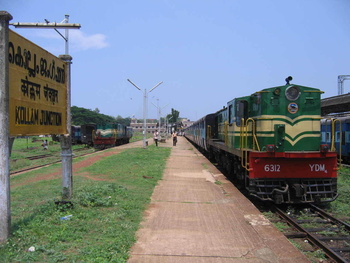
[(292, 93), (277, 91)]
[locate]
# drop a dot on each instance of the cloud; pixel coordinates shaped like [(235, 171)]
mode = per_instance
[(78, 40), (81, 41)]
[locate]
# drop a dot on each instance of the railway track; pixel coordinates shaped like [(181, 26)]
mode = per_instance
[(43, 156), (81, 152), (36, 157), (321, 229)]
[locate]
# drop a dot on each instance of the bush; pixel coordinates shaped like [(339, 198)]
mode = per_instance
[(99, 195)]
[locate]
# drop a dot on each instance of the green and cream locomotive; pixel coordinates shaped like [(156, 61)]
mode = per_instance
[(270, 141)]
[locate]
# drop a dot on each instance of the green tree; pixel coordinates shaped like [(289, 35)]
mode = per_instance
[(83, 116), (124, 121), (174, 116)]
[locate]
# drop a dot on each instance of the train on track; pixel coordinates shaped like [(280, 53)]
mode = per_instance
[(100, 136), (270, 143), (335, 132), (111, 134)]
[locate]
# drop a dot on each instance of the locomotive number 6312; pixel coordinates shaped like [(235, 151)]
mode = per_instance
[(272, 168)]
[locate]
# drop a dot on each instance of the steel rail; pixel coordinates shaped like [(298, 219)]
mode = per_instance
[(35, 157), (332, 218), (329, 252)]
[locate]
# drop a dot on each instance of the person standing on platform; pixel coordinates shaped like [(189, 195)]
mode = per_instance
[(45, 145), (174, 135), (155, 137)]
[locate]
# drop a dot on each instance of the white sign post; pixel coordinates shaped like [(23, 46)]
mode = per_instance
[(5, 208)]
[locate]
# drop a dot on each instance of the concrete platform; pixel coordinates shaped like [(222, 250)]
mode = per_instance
[(196, 215)]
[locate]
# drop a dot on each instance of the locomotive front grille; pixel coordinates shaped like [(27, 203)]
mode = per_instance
[(294, 190)]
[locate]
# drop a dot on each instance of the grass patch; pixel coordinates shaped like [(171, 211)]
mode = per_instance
[(138, 136), (341, 206), (104, 219)]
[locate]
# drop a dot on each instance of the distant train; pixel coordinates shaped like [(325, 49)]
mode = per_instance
[(336, 135), (100, 136), (111, 134), (270, 143), (87, 131), (76, 135)]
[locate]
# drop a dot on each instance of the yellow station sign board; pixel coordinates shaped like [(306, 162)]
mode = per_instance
[(38, 89)]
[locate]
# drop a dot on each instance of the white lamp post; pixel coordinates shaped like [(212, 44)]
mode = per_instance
[(145, 108)]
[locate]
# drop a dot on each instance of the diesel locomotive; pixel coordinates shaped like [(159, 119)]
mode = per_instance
[(270, 143), (111, 134), (100, 136)]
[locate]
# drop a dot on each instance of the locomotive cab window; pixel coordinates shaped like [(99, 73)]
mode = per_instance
[(241, 111), (230, 114)]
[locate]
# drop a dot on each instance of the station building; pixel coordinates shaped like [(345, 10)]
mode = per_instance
[(152, 125), (137, 125)]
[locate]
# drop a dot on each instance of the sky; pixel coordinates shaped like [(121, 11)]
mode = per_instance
[(206, 52)]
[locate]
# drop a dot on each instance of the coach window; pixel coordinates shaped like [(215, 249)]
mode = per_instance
[(337, 136), (241, 111)]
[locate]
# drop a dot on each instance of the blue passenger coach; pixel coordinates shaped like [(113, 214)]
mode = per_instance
[(337, 129), (200, 130)]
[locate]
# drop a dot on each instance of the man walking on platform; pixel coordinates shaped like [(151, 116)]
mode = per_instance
[(155, 137), (174, 135)]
